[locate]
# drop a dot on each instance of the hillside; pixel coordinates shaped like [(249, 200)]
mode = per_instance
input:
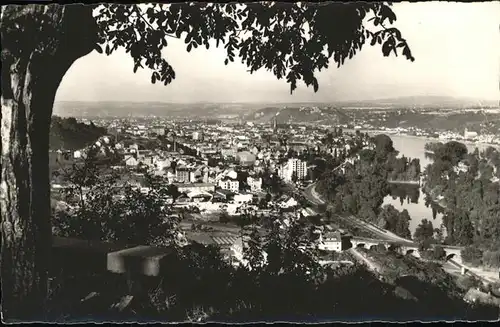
[(68, 134), (421, 102), (259, 112), (283, 114), (159, 109)]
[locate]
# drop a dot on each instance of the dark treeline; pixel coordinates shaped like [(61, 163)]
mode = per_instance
[(199, 285), (466, 185), (69, 134), (405, 193), (359, 189)]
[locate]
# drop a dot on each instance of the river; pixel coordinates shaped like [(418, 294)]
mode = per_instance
[(411, 197)]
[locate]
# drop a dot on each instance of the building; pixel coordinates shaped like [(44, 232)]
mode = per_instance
[(246, 158), (199, 187), (158, 130), (131, 160), (255, 184), (288, 203), (330, 241), (241, 198), (184, 175), (197, 136), (230, 184), (469, 135), (293, 167), (199, 196)]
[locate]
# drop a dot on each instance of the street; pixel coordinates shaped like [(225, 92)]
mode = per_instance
[(315, 198), (360, 257)]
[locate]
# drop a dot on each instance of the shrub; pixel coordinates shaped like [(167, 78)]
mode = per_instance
[(467, 282), (491, 258), (472, 255)]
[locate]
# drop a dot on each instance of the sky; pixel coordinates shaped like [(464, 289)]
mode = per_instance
[(456, 48)]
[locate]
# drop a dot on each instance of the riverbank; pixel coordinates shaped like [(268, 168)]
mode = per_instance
[(427, 138)]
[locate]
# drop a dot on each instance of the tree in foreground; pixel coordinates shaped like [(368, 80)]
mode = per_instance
[(41, 42)]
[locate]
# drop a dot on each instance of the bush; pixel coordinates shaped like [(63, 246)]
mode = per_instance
[(491, 258), (467, 282), (224, 218), (438, 253), (472, 255)]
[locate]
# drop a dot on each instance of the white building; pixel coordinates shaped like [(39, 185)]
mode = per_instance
[(255, 184), (330, 241), (197, 136), (184, 175), (131, 160), (229, 184), (292, 166), (469, 135), (289, 203), (242, 198)]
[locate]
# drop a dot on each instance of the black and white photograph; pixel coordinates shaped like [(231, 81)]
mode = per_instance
[(250, 162)]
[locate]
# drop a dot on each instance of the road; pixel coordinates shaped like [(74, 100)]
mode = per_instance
[(485, 276), (360, 257), (315, 198)]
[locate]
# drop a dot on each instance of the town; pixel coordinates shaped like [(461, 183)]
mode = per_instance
[(223, 171), (224, 162)]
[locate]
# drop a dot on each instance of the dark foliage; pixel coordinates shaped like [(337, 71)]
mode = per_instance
[(69, 134)]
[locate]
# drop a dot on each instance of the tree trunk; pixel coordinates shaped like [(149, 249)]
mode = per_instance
[(39, 44)]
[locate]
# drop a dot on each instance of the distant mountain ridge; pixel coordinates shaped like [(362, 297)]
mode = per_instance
[(303, 114), (224, 110), (423, 101)]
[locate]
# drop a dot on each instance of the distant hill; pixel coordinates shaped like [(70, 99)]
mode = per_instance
[(303, 114), (158, 109), (239, 110), (421, 102), (68, 134)]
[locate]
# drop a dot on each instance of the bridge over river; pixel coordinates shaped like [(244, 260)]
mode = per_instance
[(452, 252)]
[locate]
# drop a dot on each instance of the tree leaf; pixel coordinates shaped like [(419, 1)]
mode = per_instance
[(315, 84), (98, 48)]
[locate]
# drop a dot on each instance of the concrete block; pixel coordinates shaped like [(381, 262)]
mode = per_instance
[(139, 260)]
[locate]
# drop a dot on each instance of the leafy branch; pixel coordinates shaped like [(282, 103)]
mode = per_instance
[(291, 40)]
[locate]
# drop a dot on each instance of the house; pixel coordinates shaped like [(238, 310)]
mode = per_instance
[(199, 187), (255, 184), (246, 158), (184, 175), (134, 148), (330, 241), (199, 196), (225, 195), (289, 203), (230, 184), (131, 160), (461, 167), (158, 130), (241, 198)]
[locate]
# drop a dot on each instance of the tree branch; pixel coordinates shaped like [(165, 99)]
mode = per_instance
[(139, 15)]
